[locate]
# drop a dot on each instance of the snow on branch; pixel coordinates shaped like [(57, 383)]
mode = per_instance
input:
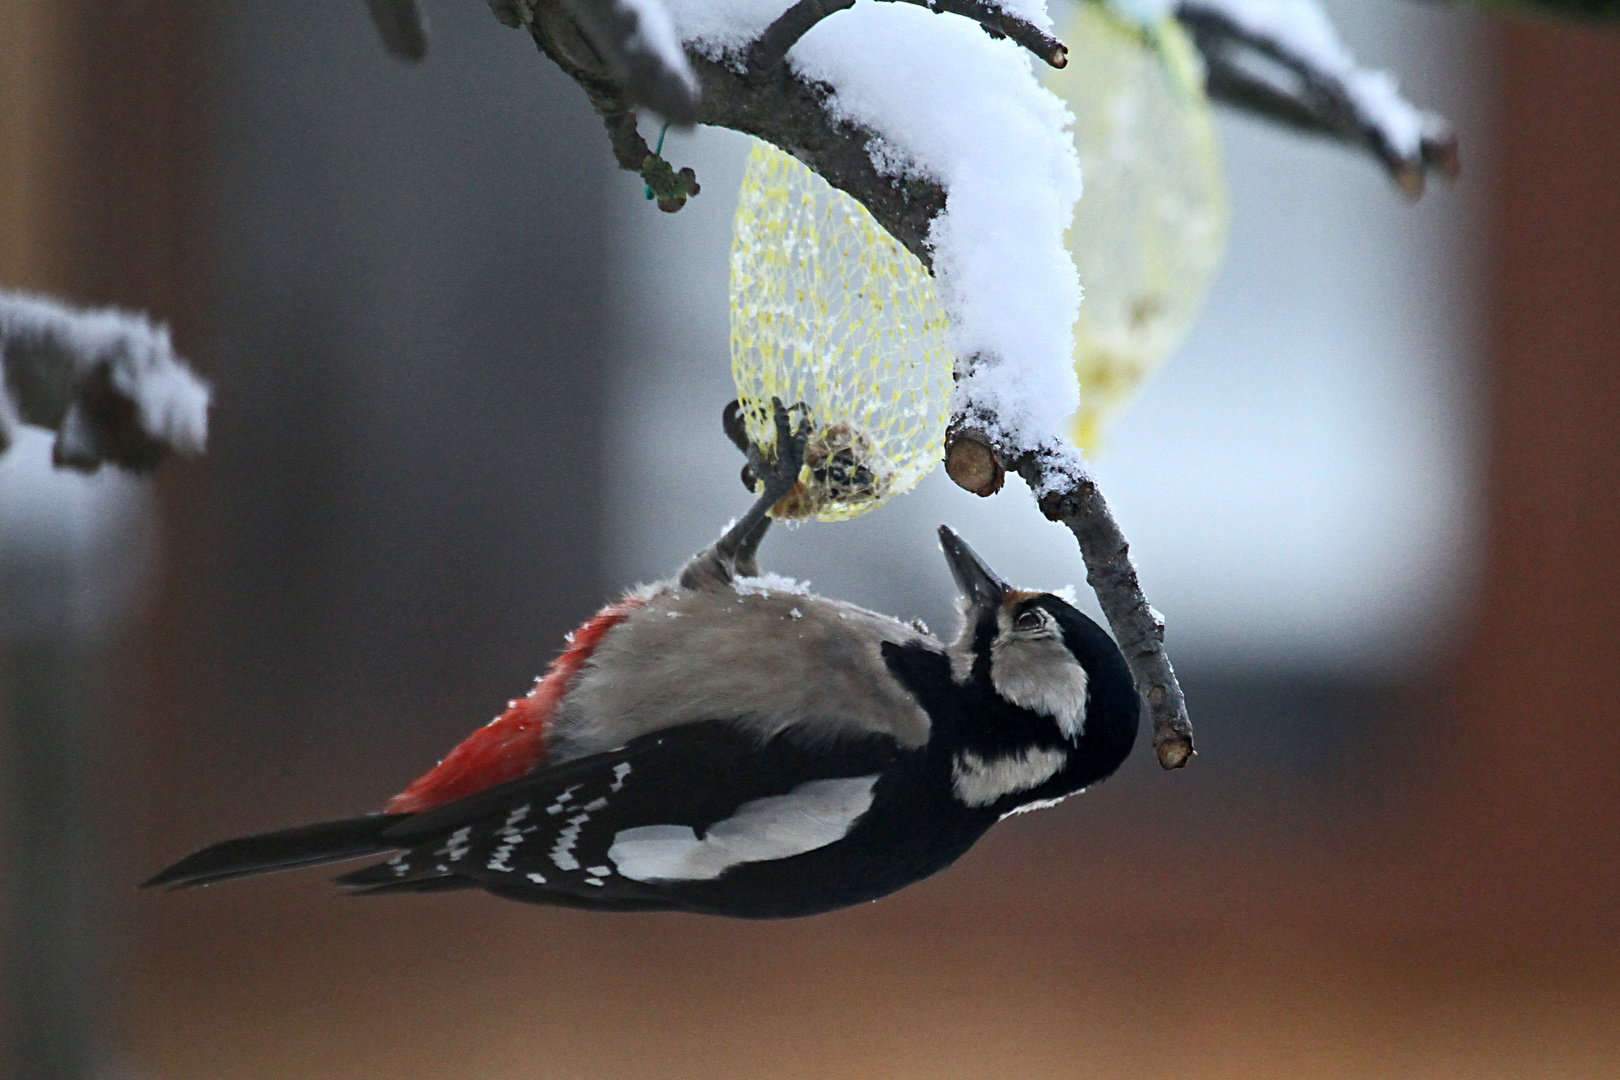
[(106, 381), (1282, 60)]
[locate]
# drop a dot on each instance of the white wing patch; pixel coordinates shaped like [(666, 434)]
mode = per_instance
[(978, 782), (810, 816)]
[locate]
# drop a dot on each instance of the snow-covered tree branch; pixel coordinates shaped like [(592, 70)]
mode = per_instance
[(107, 382), (940, 130), (928, 113)]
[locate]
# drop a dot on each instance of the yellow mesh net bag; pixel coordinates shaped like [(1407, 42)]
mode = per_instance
[(1150, 230), (831, 312)]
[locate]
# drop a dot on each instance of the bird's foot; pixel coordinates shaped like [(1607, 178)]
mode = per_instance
[(774, 478)]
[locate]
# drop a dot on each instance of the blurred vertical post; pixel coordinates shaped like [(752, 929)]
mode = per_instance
[(91, 133), (55, 922), (1528, 825)]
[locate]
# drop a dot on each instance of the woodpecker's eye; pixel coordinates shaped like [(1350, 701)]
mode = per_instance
[(1029, 619)]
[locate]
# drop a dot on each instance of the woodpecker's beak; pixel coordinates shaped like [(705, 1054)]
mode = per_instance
[(981, 585)]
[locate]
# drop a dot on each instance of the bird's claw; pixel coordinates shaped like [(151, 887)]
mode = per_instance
[(775, 478), (781, 473)]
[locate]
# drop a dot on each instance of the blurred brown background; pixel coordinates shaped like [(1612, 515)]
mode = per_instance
[(384, 544)]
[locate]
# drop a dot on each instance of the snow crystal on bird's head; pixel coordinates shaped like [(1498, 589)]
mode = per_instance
[(766, 584), (952, 104)]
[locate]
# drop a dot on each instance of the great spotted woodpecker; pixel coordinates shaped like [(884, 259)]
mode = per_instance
[(731, 744)]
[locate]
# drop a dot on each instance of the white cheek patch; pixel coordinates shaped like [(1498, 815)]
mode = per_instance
[(810, 816), (978, 782), (1041, 675)]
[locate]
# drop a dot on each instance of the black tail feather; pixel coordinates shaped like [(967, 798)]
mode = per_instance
[(289, 849), (419, 885)]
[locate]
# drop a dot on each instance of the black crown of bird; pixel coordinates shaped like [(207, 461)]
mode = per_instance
[(730, 744)]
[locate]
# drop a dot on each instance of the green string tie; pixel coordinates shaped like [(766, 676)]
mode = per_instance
[(659, 152)]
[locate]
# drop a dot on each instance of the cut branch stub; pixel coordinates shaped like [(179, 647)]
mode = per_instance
[(971, 463)]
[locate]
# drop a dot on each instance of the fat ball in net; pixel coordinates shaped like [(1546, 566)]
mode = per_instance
[(836, 318)]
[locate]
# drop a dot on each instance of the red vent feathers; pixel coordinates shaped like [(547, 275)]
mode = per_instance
[(514, 742)]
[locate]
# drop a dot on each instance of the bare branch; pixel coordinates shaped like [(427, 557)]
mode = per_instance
[(772, 47), (106, 381), (977, 462), (999, 23), (402, 25), (1260, 72), (1078, 504)]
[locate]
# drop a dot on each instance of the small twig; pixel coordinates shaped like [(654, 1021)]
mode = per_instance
[(1303, 95), (630, 150), (402, 25), (107, 382), (1070, 496), (998, 23), (771, 48)]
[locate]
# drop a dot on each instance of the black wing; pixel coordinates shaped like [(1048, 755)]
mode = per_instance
[(547, 836)]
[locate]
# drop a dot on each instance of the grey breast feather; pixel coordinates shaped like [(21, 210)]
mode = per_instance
[(770, 659)]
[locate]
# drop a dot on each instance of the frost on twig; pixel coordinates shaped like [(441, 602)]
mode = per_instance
[(106, 381), (1283, 61)]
